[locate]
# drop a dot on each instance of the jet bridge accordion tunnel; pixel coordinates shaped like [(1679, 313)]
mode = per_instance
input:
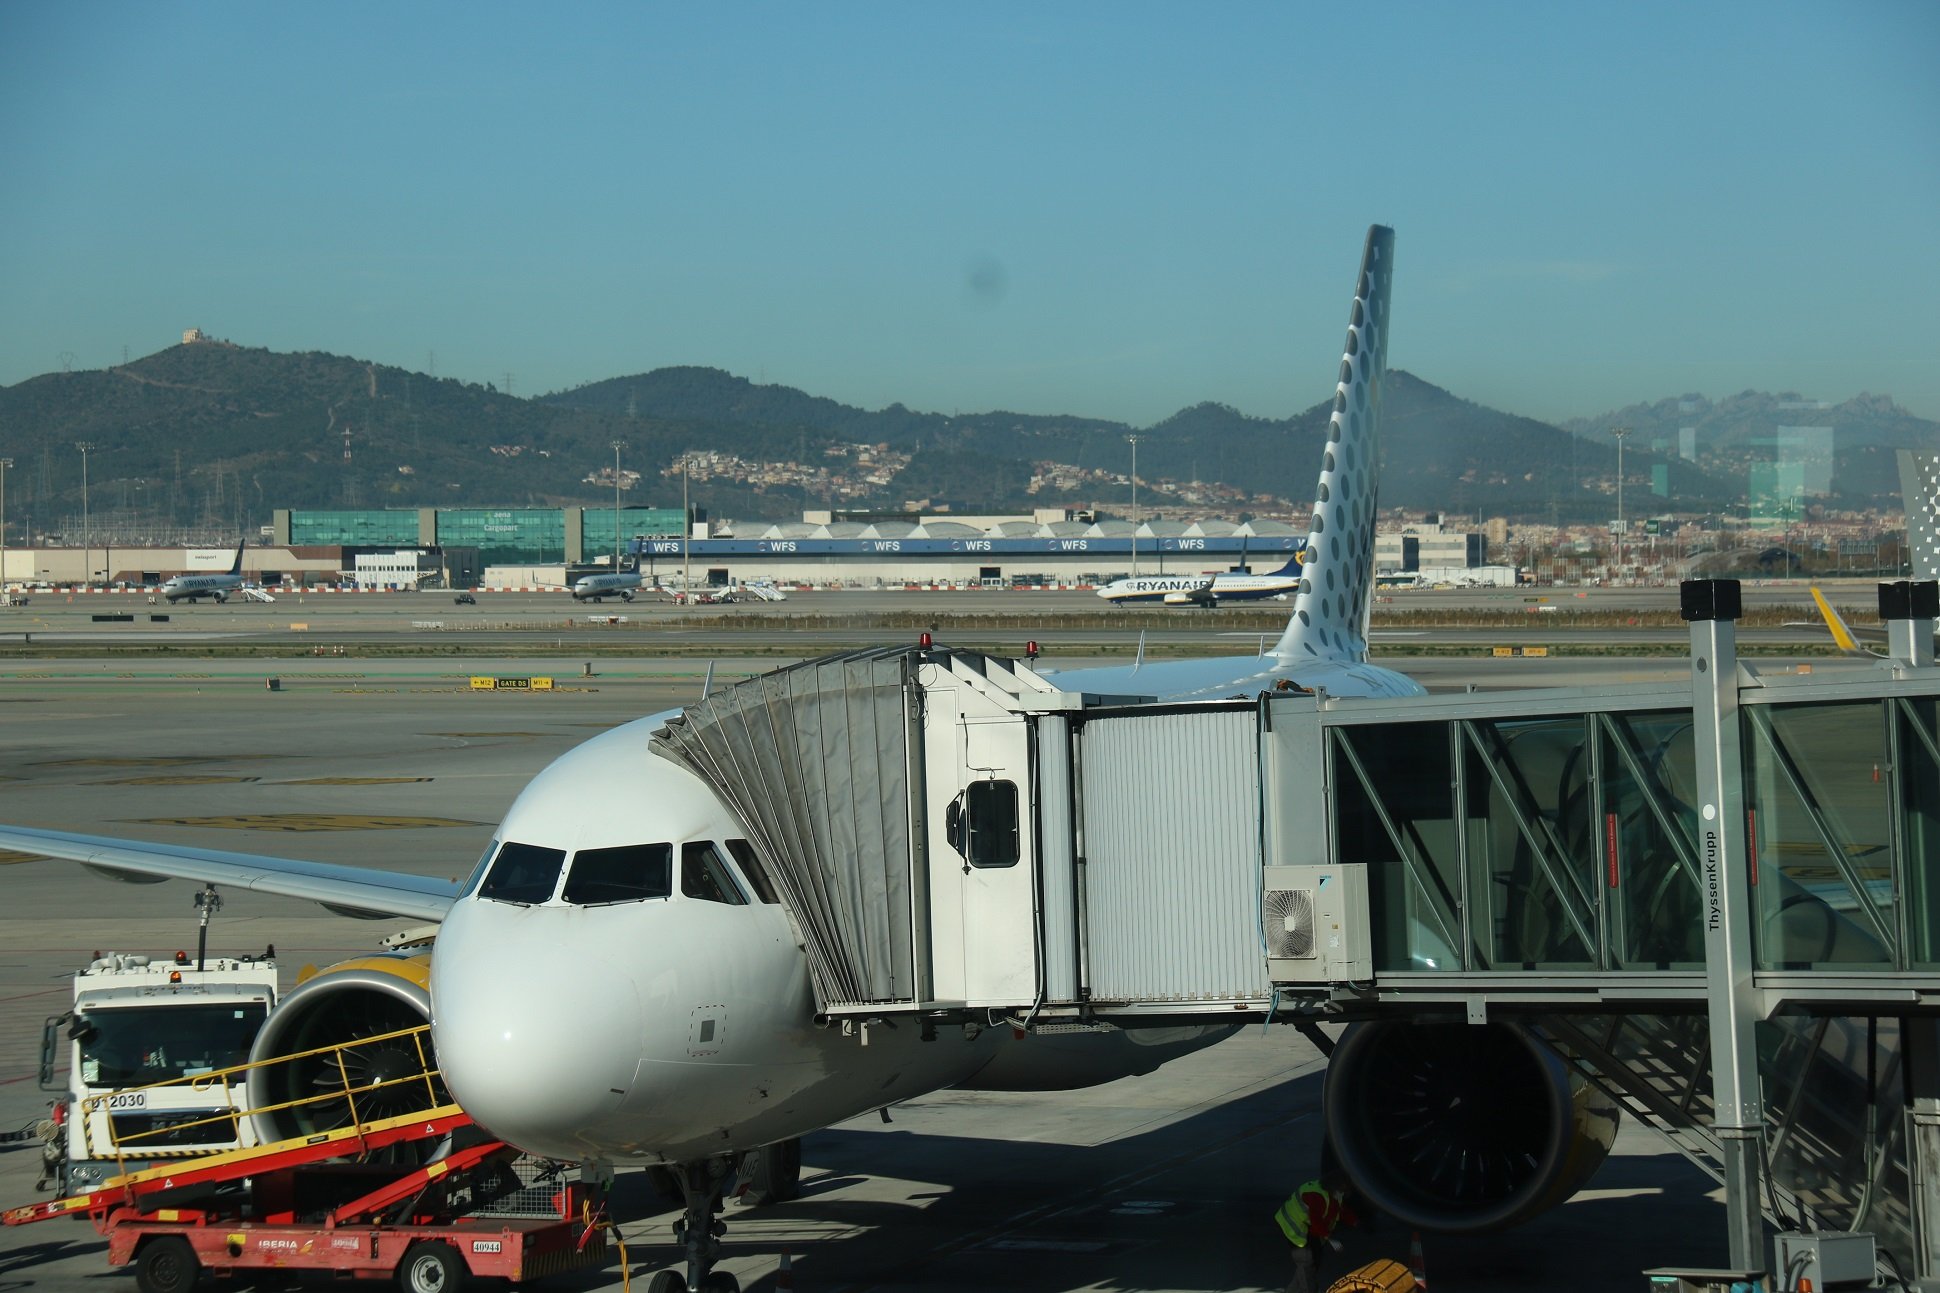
[(956, 838)]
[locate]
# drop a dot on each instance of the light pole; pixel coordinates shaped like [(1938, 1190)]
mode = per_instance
[(686, 533), (617, 446), (1133, 440), (4, 464), (1619, 433), (87, 535)]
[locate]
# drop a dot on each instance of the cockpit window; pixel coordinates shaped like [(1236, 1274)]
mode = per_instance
[(478, 871), (764, 884), (523, 873), (704, 874), (627, 873)]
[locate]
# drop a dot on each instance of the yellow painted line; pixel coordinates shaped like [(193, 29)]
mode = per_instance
[(13, 857), (152, 761), (307, 822), (353, 781), (177, 779)]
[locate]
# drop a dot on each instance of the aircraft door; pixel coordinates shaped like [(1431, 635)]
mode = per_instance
[(982, 867)]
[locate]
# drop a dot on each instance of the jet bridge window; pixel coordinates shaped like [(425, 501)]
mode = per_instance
[(523, 873), (704, 875), (982, 824), (628, 873)]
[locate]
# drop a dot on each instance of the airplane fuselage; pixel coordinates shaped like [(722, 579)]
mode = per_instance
[(594, 588), (191, 588), (1198, 590)]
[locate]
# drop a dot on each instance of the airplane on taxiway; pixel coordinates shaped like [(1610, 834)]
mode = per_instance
[(595, 588), (627, 987), (1207, 590), (190, 588)]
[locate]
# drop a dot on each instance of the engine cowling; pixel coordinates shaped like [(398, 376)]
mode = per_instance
[(1462, 1128), (321, 1089)]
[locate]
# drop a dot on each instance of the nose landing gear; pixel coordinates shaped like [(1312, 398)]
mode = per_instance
[(699, 1231)]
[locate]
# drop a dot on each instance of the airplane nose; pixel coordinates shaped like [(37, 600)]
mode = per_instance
[(539, 1048)]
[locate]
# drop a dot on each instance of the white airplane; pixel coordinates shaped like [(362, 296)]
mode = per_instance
[(627, 987), (1207, 590), (594, 588), (192, 587)]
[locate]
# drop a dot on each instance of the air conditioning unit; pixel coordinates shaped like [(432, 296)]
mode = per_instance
[(1315, 919)]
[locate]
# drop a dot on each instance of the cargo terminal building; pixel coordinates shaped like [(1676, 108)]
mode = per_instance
[(546, 547), (515, 547)]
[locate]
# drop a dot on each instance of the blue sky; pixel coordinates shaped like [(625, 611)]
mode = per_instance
[(1109, 209)]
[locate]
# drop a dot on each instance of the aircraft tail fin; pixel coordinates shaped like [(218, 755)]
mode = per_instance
[(1920, 491), (1292, 567), (235, 567), (1835, 624), (1330, 610)]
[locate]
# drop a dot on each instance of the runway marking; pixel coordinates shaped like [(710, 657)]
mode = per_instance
[(475, 735), (177, 779), (352, 781), (306, 822), (150, 761), (14, 857)]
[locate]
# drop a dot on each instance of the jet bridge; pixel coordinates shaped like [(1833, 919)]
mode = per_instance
[(1735, 880), (952, 833)]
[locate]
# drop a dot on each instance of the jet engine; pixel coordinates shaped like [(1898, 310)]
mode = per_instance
[(329, 1083), (1462, 1128)]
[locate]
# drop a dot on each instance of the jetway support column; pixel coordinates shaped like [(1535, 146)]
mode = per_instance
[(1922, 1057), (1712, 607)]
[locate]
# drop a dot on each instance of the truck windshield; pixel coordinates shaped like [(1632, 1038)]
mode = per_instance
[(133, 1045)]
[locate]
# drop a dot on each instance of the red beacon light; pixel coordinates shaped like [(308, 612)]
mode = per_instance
[(181, 958), (1030, 650), (174, 976), (925, 641)]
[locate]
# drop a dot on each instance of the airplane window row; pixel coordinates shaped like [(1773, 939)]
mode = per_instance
[(529, 873)]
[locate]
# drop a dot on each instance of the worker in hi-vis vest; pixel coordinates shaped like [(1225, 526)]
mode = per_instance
[(1308, 1219)]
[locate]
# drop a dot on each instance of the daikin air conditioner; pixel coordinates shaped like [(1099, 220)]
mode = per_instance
[(1315, 919)]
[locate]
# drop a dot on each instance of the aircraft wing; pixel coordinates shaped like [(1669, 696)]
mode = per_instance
[(347, 889)]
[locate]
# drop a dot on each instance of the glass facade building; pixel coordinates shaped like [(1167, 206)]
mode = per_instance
[(635, 522), (370, 527), (506, 535), (502, 535)]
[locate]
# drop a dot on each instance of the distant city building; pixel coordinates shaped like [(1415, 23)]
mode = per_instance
[(1426, 544), (193, 335)]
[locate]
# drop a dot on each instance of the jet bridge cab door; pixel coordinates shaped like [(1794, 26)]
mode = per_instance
[(978, 797)]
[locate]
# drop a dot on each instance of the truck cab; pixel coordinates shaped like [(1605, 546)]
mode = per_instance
[(136, 1022)]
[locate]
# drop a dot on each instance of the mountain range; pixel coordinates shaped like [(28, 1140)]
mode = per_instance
[(213, 433)]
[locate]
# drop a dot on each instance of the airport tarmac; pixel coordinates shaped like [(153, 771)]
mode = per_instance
[(1065, 623), (1165, 1182)]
